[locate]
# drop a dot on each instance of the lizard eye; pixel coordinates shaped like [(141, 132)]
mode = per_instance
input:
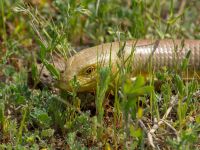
[(89, 70)]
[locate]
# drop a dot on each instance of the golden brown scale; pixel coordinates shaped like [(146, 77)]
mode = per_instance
[(158, 53)]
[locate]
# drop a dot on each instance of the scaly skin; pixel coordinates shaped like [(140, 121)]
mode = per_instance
[(160, 53)]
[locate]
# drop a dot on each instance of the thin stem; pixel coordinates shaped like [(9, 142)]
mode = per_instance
[(3, 19)]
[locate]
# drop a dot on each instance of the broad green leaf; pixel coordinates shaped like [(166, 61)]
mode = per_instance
[(43, 50), (54, 72), (130, 86), (140, 91), (135, 132)]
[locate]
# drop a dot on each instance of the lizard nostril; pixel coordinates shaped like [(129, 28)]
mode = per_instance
[(45, 75)]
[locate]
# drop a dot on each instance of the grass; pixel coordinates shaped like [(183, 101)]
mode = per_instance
[(134, 115)]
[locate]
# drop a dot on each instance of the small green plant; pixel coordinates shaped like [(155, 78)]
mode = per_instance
[(102, 87)]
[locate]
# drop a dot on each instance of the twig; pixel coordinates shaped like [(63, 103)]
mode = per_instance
[(169, 125), (182, 7), (149, 135), (157, 124), (172, 104)]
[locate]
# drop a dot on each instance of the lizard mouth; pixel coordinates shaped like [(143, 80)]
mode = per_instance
[(88, 86), (82, 85)]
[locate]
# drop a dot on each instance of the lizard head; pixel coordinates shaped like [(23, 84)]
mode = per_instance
[(82, 68)]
